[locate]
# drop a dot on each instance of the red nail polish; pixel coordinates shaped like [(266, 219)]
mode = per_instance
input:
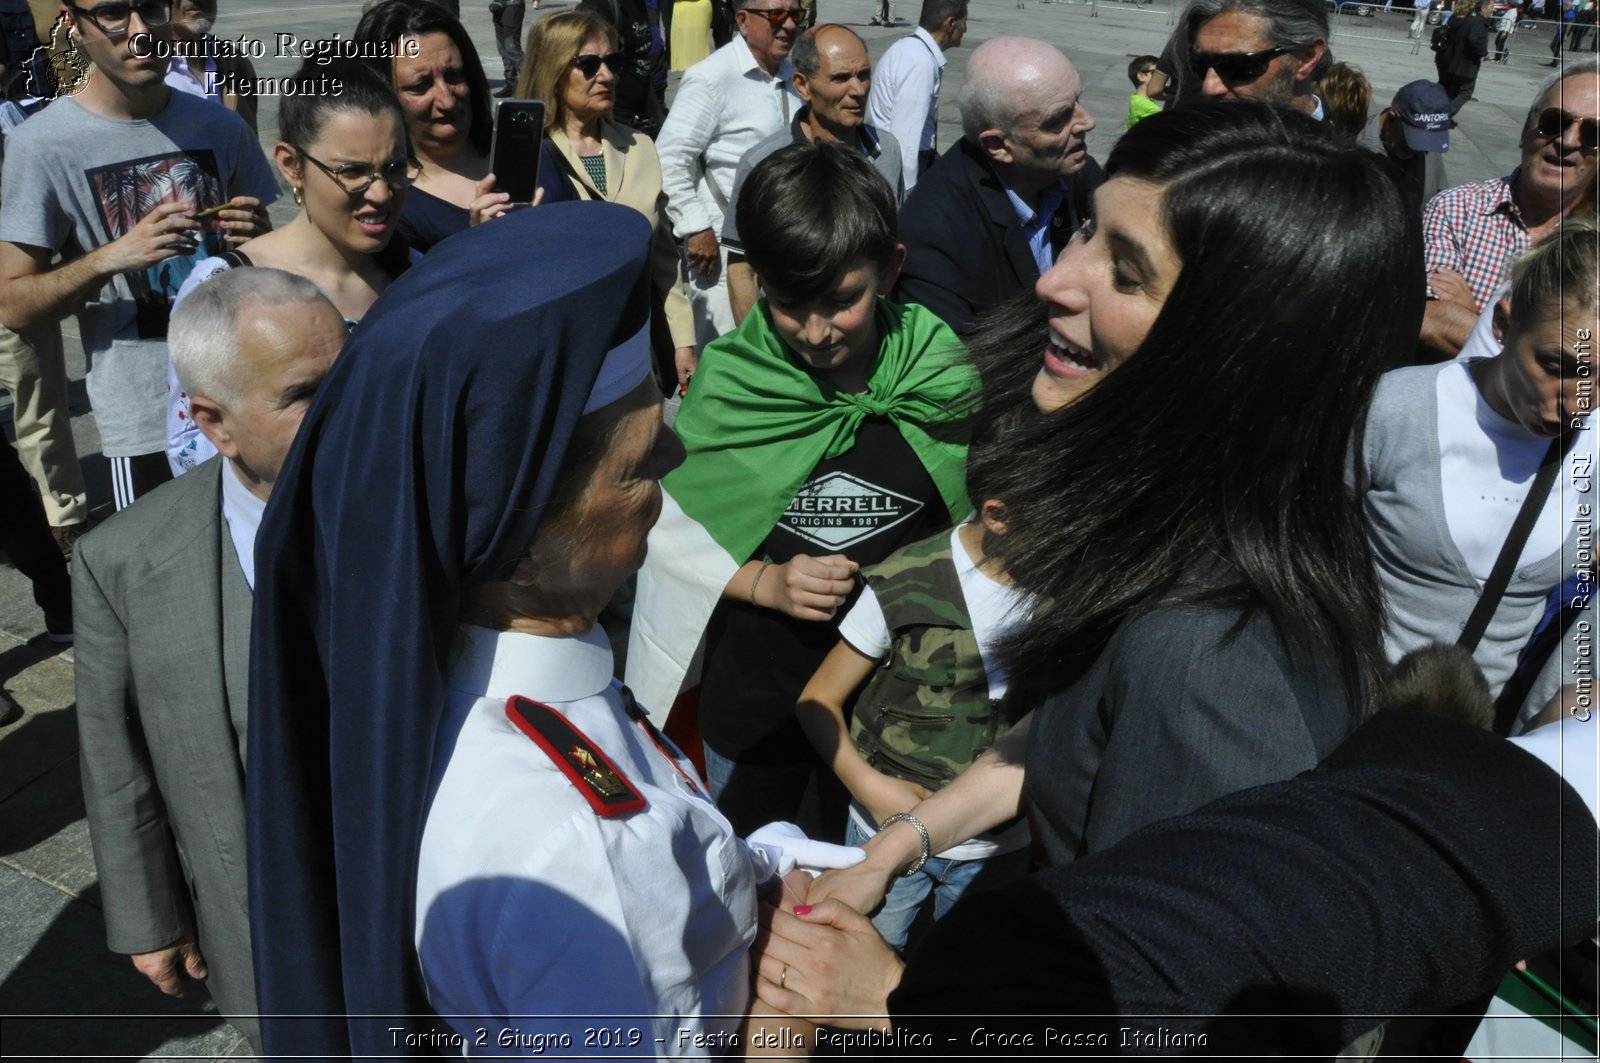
[(802, 909)]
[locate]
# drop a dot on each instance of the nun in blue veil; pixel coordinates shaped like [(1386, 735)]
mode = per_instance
[(456, 815)]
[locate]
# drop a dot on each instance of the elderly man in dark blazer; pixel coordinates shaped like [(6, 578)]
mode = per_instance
[(995, 210), (162, 593)]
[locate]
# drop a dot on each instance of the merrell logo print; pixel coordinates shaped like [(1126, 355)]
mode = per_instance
[(838, 510)]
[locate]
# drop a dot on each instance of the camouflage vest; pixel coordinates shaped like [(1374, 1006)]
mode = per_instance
[(926, 713)]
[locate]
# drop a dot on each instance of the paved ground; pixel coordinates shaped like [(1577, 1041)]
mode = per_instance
[(61, 993)]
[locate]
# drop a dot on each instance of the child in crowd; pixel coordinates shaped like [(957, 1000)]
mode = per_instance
[(922, 638), (1141, 104), (822, 435)]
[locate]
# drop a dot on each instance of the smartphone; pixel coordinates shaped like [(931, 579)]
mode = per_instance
[(514, 152)]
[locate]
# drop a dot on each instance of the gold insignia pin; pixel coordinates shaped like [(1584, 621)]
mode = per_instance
[(604, 780)]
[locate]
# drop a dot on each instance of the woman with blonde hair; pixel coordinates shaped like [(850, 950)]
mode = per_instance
[(572, 65)]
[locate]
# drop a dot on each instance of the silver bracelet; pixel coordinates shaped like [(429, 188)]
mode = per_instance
[(927, 842)]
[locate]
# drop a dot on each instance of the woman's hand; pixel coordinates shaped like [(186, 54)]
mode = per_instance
[(825, 960), (687, 362), (243, 221), (884, 795), (862, 887), (806, 587), (487, 203)]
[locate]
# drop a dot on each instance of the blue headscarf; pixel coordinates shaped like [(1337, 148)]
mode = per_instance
[(422, 470)]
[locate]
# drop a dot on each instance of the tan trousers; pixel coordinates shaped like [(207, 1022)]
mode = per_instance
[(34, 370)]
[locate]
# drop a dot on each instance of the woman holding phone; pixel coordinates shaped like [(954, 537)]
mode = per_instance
[(572, 66), (445, 96)]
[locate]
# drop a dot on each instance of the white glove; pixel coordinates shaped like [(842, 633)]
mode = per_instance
[(778, 848)]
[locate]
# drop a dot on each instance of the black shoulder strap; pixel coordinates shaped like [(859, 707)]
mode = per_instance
[(1511, 551), (586, 766), (236, 259)]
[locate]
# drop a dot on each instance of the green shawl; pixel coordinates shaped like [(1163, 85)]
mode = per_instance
[(756, 420)]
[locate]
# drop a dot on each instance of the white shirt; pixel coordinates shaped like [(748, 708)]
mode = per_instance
[(726, 105), (1569, 748), (905, 96), (180, 78), (531, 903), (1486, 465), (242, 511)]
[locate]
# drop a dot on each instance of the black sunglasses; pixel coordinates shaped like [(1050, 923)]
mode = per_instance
[(113, 19), (777, 16), (589, 65), (1553, 122), (1235, 68)]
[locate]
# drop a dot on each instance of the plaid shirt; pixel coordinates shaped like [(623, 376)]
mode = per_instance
[(1474, 229)]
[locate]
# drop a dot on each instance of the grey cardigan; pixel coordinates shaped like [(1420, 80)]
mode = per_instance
[(1428, 590)]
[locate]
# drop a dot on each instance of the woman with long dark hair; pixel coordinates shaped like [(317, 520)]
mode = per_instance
[(445, 94), (1170, 429)]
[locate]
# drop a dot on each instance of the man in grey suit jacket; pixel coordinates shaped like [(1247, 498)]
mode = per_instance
[(163, 590)]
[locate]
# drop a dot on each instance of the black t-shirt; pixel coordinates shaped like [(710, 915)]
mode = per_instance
[(864, 504)]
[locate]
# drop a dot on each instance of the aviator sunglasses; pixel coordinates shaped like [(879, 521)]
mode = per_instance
[(588, 64), (1553, 122), (777, 16), (1235, 68)]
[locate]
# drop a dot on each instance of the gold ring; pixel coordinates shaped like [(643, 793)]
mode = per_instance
[(783, 976)]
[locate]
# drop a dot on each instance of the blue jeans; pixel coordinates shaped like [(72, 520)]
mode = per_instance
[(945, 879)]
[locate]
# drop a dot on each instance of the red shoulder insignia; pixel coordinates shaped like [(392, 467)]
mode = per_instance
[(584, 764)]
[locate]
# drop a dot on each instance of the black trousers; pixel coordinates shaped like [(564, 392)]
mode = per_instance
[(1460, 90), (25, 537)]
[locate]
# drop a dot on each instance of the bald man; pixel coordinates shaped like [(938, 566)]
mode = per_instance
[(997, 208)]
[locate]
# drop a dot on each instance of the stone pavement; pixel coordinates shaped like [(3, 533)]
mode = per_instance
[(61, 993)]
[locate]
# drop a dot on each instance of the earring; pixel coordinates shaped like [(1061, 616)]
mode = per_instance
[(299, 196)]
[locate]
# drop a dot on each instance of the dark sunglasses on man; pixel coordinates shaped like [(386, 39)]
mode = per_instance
[(777, 16), (113, 19), (588, 64), (1235, 68), (1553, 123)]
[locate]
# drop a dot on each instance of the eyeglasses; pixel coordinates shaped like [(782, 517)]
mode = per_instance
[(588, 64), (112, 19), (777, 16), (1235, 68), (356, 179), (1553, 122)]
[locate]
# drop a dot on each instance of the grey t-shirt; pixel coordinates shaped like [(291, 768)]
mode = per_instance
[(75, 181)]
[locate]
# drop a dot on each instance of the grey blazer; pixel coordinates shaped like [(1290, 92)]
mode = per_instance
[(162, 618)]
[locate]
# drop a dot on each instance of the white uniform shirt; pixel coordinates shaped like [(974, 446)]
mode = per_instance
[(725, 105), (529, 903), (905, 97)]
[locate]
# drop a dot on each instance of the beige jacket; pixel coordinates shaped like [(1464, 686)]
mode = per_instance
[(633, 179)]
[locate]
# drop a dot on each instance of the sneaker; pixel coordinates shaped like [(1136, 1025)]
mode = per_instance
[(67, 536), (10, 711), (875, 21)]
